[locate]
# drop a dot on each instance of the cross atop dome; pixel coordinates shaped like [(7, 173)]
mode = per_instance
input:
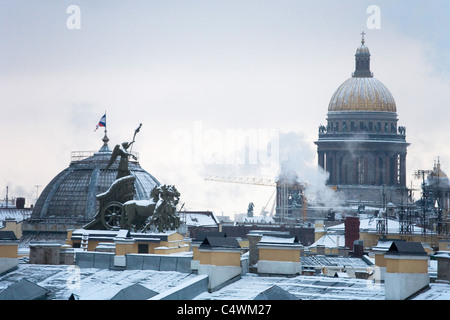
[(362, 37)]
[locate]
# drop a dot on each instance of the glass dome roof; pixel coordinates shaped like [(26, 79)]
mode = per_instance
[(72, 193)]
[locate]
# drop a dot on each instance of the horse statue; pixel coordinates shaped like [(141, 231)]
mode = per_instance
[(159, 211), (137, 212)]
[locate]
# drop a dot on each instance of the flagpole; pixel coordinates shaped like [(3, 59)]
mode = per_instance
[(105, 124)]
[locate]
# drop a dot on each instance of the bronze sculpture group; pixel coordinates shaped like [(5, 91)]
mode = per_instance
[(118, 209)]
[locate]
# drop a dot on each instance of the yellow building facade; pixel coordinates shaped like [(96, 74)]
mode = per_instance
[(9, 245), (279, 255), (146, 243)]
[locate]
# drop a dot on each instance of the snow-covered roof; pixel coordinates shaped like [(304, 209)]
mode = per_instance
[(94, 284), (370, 225), (24, 290), (436, 291), (135, 292), (265, 239), (326, 261), (330, 241), (14, 214), (103, 284), (199, 219), (258, 219), (442, 254), (383, 245), (275, 293), (109, 235), (302, 287)]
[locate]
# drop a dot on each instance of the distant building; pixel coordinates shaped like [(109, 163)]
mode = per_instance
[(436, 200), (290, 199), (362, 147), (12, 217)]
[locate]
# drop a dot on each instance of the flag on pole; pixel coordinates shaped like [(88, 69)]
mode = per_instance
[(102, 122)]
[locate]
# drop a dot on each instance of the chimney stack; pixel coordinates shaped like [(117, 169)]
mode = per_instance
[(406, 270)]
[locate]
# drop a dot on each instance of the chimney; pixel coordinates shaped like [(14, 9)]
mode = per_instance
[(406, 270), (351, 231), (220, 260), (358, 248), (20, 203)]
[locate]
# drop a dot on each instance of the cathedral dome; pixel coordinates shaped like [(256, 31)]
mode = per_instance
[(362, 94), (363, 49), (72, 193)]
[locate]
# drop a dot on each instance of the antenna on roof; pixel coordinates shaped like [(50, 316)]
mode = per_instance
[(37, 191), (6, 196)]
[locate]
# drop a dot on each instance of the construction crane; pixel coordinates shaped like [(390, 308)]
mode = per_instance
[(252, 181), (255, 181), (263, 210), (269, 183)]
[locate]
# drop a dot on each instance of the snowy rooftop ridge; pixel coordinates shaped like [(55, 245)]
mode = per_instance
[(330, 241), (14, 214)]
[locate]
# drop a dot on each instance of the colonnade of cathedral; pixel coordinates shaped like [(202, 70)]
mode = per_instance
[(364, 168)]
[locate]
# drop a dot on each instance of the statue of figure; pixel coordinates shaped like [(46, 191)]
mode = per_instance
[(377, 128), (121, 150), (112, 211), (322, 129), (250, 209)]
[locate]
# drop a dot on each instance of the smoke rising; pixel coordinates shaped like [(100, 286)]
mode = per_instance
[(298, 162)]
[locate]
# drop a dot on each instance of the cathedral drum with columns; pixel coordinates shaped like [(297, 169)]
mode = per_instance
[(362, 147)]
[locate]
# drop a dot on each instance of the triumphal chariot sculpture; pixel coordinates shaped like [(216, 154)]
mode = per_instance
[(118, 209)]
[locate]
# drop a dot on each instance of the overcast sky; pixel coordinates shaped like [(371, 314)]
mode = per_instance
[(195, 73)]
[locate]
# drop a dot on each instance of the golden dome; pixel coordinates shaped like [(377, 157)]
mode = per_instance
[(437, 171), (362, 94)]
